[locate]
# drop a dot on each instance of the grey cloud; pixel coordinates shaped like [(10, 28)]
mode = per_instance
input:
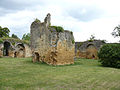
[(10, 6), (5, 11), (19, 4), (91, 13)]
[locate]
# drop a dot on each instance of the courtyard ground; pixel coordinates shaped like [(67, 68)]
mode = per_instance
[(85, 74)]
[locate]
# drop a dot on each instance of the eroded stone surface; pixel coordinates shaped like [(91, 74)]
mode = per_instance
[(17, 49), (50, 46), (88, 49)]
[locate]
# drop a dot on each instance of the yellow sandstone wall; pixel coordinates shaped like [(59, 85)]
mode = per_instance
[(51, 46)]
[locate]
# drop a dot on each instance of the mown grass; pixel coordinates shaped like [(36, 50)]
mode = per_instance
[(85, 74)]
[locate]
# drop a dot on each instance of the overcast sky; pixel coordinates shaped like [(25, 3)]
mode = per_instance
[(83, 17)]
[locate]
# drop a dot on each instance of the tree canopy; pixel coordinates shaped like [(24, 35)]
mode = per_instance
[(14, 36), (92, 38), (26, 36), (116, 31), (4, 32)]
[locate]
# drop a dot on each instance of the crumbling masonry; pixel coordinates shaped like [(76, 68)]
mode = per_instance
[(88, 49), (50, 46), (12, 48)]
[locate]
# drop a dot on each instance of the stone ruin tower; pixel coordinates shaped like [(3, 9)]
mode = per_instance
[(51, 46)]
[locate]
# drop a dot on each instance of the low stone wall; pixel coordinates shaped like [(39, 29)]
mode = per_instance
[(14, 49), (88, 49)]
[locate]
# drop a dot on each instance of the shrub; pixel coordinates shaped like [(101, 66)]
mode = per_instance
[(80, 44), (71, 33), (103, 41), (73, 41), (37, 20), (58, 28), (109, 55), (90, 40)]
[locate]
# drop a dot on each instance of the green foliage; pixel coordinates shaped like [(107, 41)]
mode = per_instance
[(109, 55), (4, 32), (13, 43), (14, 36), (37, 20), (80, 44), (1, 41), (71, 33), (116, 31), (103, 41), (26, 36), (73, 41), (92, 38), (58, 28), (14, 40)]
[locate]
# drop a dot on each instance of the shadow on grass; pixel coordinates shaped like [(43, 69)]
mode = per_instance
[(108, 67), (45, 64), (35, 63), (78, 61)]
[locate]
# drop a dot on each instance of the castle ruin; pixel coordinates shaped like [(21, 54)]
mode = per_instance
[(50, 45), (88, 49), (12, 48)]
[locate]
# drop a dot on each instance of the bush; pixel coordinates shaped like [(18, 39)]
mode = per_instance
[(71, 33), (58, 28), (109, 55), (73, 41), (80, 44), (103, 41), (36, 20), (90, 40)]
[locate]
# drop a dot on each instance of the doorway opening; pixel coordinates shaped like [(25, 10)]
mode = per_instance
[(36, 56), (6, 48)]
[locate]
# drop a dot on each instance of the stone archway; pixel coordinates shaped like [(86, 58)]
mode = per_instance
[(91, 52), (6, 48), (20, 51)]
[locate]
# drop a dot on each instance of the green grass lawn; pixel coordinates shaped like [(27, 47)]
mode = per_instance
[(85, 74)]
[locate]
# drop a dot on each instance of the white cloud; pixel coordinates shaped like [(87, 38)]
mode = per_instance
[(93, 17)]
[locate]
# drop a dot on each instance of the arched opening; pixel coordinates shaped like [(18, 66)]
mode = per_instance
[(6, 48), (91, 52), (20, 51), (90, 46), (36, 57)]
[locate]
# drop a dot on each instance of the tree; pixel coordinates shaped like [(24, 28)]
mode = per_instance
[(14, 36), (26, 36), (4, 32), (116, 31), (92, 38)]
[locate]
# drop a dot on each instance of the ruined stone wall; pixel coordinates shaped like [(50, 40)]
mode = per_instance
[(88, 49), (28, 52), (50, 46), (15, 49), (1, 50)]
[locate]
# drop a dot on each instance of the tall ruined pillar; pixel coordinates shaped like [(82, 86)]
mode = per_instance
[(50, 45)]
